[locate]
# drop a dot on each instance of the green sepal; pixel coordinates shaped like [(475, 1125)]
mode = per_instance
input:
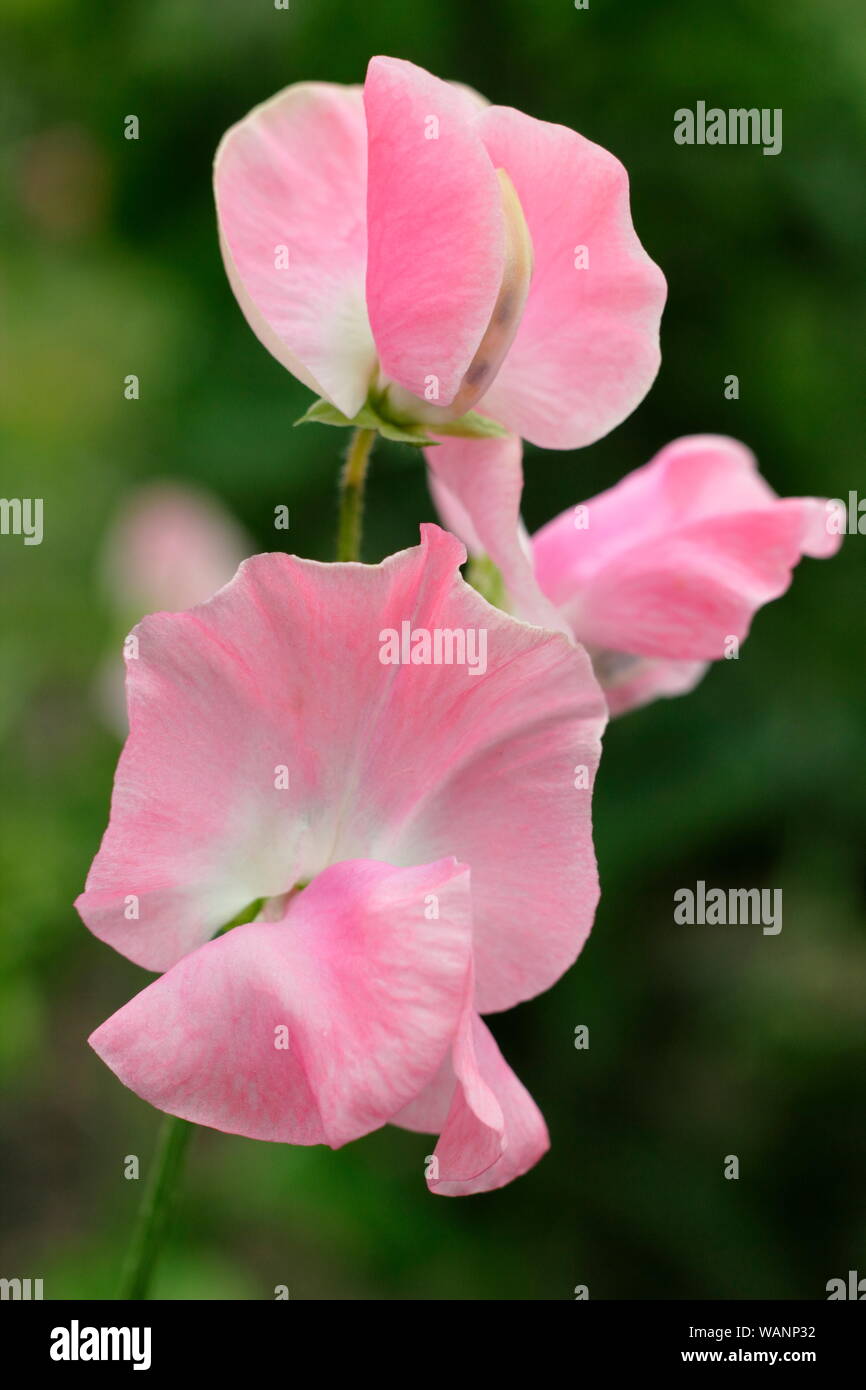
[(473, 426), (368, 418), (371, 417), (323, 413)]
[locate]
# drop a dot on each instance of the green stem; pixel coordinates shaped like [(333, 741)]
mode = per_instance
[(166, 1165), (352, 495)]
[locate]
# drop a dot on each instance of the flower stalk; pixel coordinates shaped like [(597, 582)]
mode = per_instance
[(153, 1214), (351, 506)]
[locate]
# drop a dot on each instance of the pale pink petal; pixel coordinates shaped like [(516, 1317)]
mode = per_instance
[(436, 252), (491, 1109), (477, 485), (427, 1113), (476, 497), (631, 681), (492, 1130), (678, 557), (689, 480), (505, 775), (293, 174), (587, 349), (685, 595), (489, 759), (363, 988), (821, 534)]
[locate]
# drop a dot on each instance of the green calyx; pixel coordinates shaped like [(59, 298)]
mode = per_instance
[(374, 415)]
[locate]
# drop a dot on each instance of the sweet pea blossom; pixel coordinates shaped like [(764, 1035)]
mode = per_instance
[(409, 248), (396, 845), (170, 546), (655, 576)]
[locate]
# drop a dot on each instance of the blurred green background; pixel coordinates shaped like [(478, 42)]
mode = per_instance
[(704, 1041)]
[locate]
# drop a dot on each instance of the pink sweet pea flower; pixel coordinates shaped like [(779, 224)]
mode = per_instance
[(170, 546), (413, 842), (413, 246), (654, 576)]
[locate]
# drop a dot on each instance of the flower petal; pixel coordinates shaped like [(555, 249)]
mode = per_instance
[(823, 526), (271, 737), (314, 1029), (491, 1110), (586, 351), (678, 557), (477, 486), (292, 174), (631, 681), (492, 1130), (436, 228)]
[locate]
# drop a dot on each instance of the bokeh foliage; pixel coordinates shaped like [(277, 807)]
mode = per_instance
[(704, 1041)]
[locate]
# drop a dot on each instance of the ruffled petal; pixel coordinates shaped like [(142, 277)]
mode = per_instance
[(314, 1029), (315, 713), (491, 1129), (678, 557)]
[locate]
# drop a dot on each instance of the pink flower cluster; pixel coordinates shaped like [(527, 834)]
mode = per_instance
[(400, 846)]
